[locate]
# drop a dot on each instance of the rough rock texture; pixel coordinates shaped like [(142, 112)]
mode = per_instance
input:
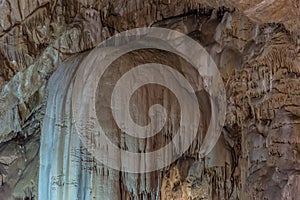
[(256, 45)]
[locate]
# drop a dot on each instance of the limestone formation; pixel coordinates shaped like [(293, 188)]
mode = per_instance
[(256, 46)]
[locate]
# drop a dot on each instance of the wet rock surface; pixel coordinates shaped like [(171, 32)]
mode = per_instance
[(256, 46)]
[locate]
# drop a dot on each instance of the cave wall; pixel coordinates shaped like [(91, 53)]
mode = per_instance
[(256, 46)]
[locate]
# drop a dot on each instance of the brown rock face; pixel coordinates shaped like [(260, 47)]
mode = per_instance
[(256, 46)]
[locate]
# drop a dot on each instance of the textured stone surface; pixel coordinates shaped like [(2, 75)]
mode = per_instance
[(256, 46)]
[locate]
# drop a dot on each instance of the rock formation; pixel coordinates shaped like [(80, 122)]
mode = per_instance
[(256, 46)]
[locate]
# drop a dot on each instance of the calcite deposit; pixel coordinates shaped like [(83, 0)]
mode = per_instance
[(256, 47)]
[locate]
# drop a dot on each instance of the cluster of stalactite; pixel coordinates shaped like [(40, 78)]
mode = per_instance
[(255, 45)]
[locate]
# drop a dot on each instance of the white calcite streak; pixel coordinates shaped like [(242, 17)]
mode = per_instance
[(66, 173)]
